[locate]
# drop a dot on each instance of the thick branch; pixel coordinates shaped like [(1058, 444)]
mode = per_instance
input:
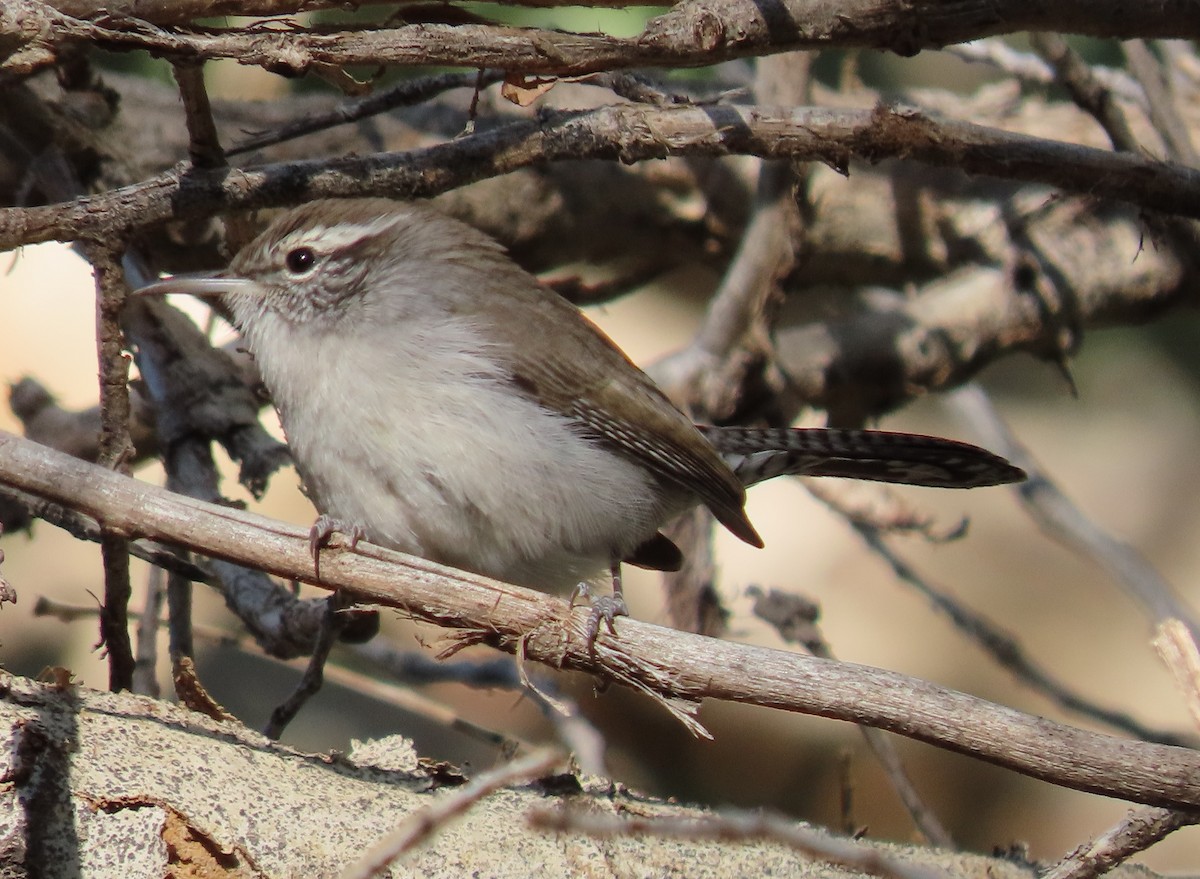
[(629, 133), (692, 34), (674, 666)]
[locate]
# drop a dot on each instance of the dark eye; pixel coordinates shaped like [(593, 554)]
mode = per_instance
[(300, 260)]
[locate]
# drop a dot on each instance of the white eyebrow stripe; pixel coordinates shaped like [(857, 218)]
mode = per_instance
[(327, 239)]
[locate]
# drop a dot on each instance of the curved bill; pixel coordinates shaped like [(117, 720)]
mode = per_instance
[(200, 285)]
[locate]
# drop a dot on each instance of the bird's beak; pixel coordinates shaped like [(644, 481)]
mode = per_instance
[(201, 285)]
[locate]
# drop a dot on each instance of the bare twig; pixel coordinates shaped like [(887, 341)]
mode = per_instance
[(85, 528), (1063, 521), (418, 827), (314, 674), (411, 668), (115, 448), (877, 506), (7, 593), (1144, 826), (204, 146), (405, 699), (1073, 73), (1178, 650), (69, 613), (800, 626), (179, 617), (1164, 112), (285, 625), (742, 827), (1095, 98), (1139, 830), (145, 680), (674, 665), (769, 249), (403, 94), (1031, 68), (1006, 651)]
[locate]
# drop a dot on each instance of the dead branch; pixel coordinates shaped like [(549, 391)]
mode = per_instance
[(629, 133), (676, 667), (696, 33)]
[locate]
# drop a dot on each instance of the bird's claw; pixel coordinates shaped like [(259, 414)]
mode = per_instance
[(607, 608), (323, 529)]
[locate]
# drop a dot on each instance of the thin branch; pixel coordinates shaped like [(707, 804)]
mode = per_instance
[(1095, 98), (204, 146), (676, 667), (115, 448), (401, 695), (285, 625), (1139, 830), (1026, 66), (7, 593), (179, 618), (1165, 113), (1005, 650), (1059, 518), (413, 669), (742, 827), (795, 619), (1179, 652), (740, 313), (404, 94), (406, 699), (314, 674), (420, 826), (878, 507), (1074, 74), (183, 11), (145, 679), (84, 527)]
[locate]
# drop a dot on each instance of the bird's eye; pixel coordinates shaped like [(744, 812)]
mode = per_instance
[(300, 260)]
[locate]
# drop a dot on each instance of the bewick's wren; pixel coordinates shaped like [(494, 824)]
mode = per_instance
[(436, 396)]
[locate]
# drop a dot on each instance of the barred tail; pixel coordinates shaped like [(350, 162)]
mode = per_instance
[(756, 454)]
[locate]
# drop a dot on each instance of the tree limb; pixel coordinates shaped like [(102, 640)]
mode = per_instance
[(677, 668), (692, 34)]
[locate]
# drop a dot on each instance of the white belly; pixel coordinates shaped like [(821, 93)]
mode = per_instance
[(454, 465)]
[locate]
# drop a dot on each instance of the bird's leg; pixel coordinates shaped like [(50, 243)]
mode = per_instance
[(324, 528)]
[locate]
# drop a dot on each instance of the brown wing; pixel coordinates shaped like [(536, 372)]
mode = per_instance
[(579, 371)]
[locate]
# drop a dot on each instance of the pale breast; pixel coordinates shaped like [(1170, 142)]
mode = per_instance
[(435, 453)]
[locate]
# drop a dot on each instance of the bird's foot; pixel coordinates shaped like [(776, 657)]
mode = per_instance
[(323, 529), (606, 607)]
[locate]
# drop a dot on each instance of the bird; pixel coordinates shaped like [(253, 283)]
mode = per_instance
[(439, 400)]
